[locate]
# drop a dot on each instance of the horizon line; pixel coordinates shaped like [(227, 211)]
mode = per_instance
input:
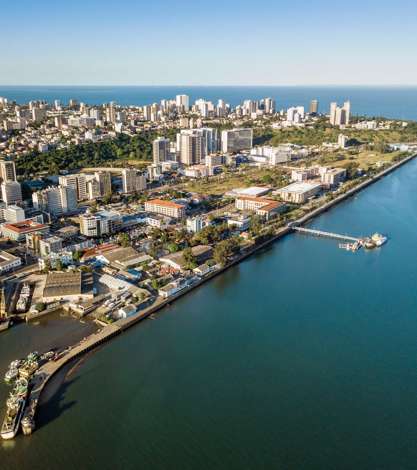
[(214, 86)]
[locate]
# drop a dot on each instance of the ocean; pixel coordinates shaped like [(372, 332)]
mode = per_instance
[(392, 102)]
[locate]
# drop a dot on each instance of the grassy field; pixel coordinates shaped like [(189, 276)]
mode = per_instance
[(364, 159), (243, 178)]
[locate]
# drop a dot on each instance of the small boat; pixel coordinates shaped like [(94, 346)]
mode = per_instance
[(11, 375), (379, 239)]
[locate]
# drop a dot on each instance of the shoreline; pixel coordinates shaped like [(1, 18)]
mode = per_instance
[(46, 372)]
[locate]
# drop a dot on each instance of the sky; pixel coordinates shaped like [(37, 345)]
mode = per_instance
[(195, 42)]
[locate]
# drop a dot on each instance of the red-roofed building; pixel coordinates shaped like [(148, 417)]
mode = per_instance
[(169, 208), (262, 206), (18, 230)]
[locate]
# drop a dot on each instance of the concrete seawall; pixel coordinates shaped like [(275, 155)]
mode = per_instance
[(45, 373)]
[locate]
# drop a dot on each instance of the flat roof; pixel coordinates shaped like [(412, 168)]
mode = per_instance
[(162, 202), (251, 191), (300, 187), (25, 226), (6, 258)]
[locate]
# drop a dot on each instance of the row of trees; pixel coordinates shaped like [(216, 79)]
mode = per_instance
[(123, 147)]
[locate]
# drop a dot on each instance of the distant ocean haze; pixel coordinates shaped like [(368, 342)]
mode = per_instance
[(392, 102)]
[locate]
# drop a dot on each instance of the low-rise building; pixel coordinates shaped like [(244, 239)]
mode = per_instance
[(299, 193), (169, 208), (68, 286), (176, 261), (50, 245), (19, 230), (262, 206), (333, 176), (8, 262)]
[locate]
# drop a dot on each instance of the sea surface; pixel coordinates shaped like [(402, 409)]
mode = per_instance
[(302, 357), (392, 102)]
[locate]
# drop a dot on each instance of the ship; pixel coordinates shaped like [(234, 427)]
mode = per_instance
[(12, 419), (15, 408), (28, 420)]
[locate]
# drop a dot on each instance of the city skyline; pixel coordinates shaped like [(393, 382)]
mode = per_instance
[(310, 44)]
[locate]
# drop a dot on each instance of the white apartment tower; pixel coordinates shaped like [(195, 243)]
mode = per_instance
[(340, 116), (160, 149), (11, 192), (182, 102)]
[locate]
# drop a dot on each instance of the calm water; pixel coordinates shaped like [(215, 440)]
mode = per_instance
[(395, 102), (302, 357)]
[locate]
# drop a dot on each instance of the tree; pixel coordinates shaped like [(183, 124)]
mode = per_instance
[(189, 258), (77, 255), (59, 265), (123, 239)]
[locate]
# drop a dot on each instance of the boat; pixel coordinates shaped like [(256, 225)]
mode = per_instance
[(4, 324), (379, 239), (15, 408), (11, 375), (12, 418), (28, 420)]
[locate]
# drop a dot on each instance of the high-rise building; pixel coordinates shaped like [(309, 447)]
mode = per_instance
[(191, 147), (160, 150), (133, 181), (340, 116), (14, 214), (182, 102), (11, 192), (78, 182), (104, 180), (269, 106), (7, 171), (38, 114), (314, 107), (236, 140), (56, 200)]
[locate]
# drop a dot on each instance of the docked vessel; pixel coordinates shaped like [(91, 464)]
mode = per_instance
[(379, 239), (28, 420), (15, 408), (11, 375), (12, 419)]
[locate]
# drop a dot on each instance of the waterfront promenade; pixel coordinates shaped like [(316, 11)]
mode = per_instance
[(44, 374)]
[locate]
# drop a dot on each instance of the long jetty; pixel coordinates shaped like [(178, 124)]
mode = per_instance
[(45, 373), (321, 233)]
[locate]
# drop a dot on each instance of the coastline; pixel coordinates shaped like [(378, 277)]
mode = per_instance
[(43, 375)]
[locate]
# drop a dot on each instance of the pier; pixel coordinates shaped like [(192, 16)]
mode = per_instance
[(321, 233)]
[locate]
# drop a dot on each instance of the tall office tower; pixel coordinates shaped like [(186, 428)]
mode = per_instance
[(104, 181), (210, 140), (133, 181), (57, 201), (95, 113), (7, 171), (57, 105), (111, 112), (38, 114), (11, 192), (93, 189), (250, 106), (72, 103), (191, 147), (160, 149), (147, 111), (78, 183), (236, 140), (314, 107), (182, 102), (340, 116), (269, 106)]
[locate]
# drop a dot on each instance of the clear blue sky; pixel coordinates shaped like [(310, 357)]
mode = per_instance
[(194, 42)]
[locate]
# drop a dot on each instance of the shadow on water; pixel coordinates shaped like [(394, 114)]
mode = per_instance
[(53, 407)]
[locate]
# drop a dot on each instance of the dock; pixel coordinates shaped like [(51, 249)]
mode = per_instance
[(321, 233)]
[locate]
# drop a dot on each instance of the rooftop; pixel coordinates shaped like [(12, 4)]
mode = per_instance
[(161, 202), (25, 226), (6, 258), (299, 187)]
